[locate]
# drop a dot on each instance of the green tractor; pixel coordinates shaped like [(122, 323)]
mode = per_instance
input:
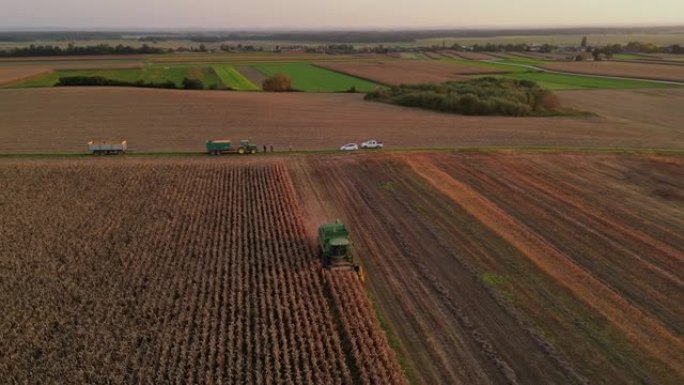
[(218, 147), (336, 248)]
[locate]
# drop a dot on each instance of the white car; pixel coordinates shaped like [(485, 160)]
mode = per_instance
[(372, 144), (349, 147)]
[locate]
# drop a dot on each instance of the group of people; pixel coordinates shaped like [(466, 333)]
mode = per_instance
[(265, 148)]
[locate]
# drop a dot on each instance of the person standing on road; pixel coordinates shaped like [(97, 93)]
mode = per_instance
[(264, 148)]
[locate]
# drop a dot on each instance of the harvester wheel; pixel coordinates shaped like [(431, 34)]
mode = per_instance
[(241, 150), (253, 151)]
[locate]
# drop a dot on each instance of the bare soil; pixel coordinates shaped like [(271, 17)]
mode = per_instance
[(252, 74), (407, 71), (64, 120), (15, 74), (629, 70), (472, 55), (657, 107)]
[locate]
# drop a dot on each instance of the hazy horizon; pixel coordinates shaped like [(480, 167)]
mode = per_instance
[(350, 14)]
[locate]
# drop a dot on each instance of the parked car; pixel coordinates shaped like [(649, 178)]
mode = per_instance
[(372, 144), (349, 147)]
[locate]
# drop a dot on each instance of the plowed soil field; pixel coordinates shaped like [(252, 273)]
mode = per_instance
[(407, 71), (658, 107), (173, 271), (517, 268), (64, 120), (620, 69), (15, 74), (472, 55)]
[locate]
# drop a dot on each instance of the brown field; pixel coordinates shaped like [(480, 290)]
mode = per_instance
[(255, 58), (433, 55), (64, 120), (664, 56), (252, 74), (543, 56), (517, 268), (472, 55), (657, 107), (14, 74), (622, 69), (407, 71), (173, 271), (484, 268)]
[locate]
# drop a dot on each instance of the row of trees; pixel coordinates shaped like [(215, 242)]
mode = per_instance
[(74, 50), (99, 81)]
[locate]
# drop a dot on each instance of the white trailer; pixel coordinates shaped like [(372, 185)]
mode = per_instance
[(107, 148)]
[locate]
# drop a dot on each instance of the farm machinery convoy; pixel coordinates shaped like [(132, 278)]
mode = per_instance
[(214, 147)]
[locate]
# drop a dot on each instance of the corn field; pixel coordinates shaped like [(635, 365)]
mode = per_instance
[(170, 272)]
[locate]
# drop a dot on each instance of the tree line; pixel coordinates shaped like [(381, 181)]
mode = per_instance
[(482, 96), (100, 81), (74, 50)]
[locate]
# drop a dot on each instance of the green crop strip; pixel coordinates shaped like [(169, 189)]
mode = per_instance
[(306, 77)]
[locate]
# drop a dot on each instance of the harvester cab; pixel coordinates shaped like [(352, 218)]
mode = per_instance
[(336, 248)]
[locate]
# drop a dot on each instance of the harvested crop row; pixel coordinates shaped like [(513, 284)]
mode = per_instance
[(605, 224), (407, 71), (163, 271)]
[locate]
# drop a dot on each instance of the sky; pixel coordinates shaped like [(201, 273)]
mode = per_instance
[(344, 14)]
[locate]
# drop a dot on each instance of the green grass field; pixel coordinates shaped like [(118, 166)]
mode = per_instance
[(160, 74), (234, 79), (306, 77), (51, 79), (577, 82), (519, 69), (628, 56)]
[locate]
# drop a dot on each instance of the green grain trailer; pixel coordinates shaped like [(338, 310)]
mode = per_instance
[(218, 147), (336, 248)]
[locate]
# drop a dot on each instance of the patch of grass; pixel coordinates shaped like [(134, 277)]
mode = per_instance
[(234, 79), (51, 79), (160, 73), (628, 56), (500, 283), (493, 279), (306, 77), (389, 186)]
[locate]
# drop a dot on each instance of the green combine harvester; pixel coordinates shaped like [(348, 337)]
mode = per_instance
[(218, 147), (336, 248)]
